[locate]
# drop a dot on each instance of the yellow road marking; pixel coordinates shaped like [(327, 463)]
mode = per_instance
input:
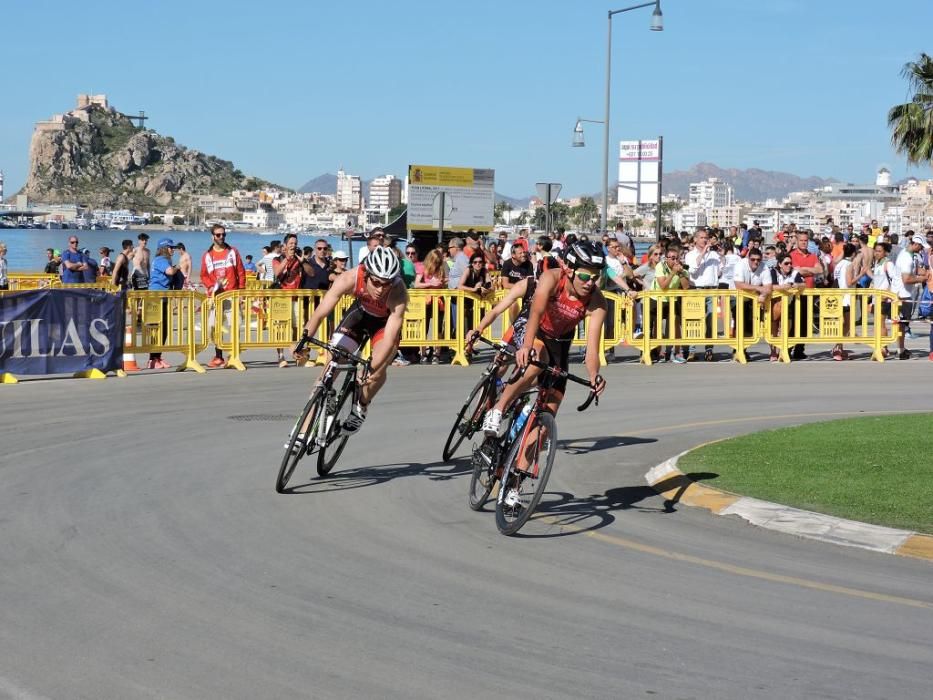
[(740, 570), (920, 546)]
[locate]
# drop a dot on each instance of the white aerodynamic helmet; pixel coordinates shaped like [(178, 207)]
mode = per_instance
[(381, 262)]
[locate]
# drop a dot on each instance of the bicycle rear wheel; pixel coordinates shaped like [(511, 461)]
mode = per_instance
[(297, 448), (336, 438), (467, 421), (522, 488)]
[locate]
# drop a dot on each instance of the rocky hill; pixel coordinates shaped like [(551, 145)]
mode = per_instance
[(96, 156), (751, 185)]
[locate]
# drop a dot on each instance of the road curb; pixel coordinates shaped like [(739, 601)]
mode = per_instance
[(667, 480)]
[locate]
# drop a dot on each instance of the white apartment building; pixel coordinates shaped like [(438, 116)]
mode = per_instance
[(385, 193), (688, 218), (712, 193), (349, 192), (262, 218), (724, 217)]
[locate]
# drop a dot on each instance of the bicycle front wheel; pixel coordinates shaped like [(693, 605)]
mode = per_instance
[(335, 436), (297, 442), (528, 467), (468, 419), (483, 478)]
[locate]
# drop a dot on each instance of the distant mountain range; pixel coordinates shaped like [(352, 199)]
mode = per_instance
[(752, 185)]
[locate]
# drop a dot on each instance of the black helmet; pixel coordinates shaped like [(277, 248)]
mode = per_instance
[(585, 254)]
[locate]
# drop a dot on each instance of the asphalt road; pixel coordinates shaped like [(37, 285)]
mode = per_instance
[(144, 552)]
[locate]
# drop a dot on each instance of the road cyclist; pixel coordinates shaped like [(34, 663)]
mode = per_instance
[(376, 315), (562, 299), (522, 457)]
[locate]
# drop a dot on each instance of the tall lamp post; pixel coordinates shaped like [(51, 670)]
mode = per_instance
[(657, 25)]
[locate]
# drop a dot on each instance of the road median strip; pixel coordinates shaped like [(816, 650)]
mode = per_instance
[(670, 482)]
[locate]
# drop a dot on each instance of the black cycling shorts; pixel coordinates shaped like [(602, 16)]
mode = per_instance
[(357, 326), (558, 354)]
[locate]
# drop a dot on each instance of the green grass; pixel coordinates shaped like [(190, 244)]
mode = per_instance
[(876, 470)]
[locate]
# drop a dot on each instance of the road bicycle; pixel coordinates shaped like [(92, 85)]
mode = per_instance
[(482, 397), (319, 427), (522, 457)]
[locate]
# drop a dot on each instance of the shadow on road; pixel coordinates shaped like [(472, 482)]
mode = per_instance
[(578, 446), (679, 484), (359, 477), (573, 515)]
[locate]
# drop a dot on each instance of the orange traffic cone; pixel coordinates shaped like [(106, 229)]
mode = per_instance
[(129, 359)]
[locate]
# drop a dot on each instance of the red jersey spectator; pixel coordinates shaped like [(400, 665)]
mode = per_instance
[(221, 271)]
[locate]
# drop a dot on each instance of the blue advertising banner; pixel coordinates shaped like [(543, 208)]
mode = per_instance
[(52, 331)]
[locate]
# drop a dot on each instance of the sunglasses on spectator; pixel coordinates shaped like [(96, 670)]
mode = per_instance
[(787, 262), (73, 240), (587, 276), (219, 235), (409, 252), (321, 247)]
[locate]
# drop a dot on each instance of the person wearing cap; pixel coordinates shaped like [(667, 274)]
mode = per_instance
[(91, 268), (164, 278), (338, 266)]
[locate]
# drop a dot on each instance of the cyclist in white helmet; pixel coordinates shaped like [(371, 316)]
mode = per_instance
[(376, 315)]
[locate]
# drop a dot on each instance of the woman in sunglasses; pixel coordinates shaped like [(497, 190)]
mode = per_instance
[(784, 279)]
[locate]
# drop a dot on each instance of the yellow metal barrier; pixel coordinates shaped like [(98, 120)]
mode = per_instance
[(20, 281), (267, 318), (256, 283), (168, 321), (437, 318), (104, 285), (818, 316), (697, 317)]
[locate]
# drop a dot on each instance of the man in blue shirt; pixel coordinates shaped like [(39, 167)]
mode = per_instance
[(73, 263)]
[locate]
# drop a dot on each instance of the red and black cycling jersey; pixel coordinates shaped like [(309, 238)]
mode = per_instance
[(562, 313), (374, 307)]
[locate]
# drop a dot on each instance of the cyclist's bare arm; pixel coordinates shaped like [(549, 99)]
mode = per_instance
[(547, 283), (597, 315), (516, 292), (384, 352), (342, 285)]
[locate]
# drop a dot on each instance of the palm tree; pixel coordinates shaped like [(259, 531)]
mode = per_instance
[(912, 123)]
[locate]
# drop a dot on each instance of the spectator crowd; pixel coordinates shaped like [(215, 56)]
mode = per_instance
[(707, 259)]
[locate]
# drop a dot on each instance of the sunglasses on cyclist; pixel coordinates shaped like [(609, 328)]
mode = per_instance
[(379, 282), (587, 276)]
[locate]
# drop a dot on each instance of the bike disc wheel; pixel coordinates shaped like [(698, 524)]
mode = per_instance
[(296, 450), (467, 419), (521, 491), (337, 437), (483, 478)]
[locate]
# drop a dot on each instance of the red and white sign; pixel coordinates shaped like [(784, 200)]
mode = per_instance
[(640, 150)]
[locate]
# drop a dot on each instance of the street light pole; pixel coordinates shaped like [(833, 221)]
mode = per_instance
[(656, 26)]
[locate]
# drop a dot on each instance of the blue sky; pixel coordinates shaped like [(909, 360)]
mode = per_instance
[(289, 90)]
